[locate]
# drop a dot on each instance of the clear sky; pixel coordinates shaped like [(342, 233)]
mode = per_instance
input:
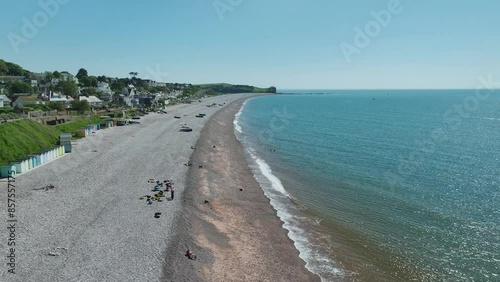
[(286, 43)]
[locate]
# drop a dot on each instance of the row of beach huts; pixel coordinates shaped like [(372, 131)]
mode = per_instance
[(35, 160)]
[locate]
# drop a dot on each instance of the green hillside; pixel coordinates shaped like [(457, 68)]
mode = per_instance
[(21, 138), (72, 127), (225, 88)]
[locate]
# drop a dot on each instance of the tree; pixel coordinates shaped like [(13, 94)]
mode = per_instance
[(4, 69), (93, 81), (68, 88), (91, 91), (88, 81), (49, 76), (16, 70), (19, 87), (80, 106), (84, 81), (58, 106), (133, 74), (103, 78), (82, 73), (117, 86), (56, 74)]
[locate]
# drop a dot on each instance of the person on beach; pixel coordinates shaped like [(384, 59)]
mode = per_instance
[(172, 192), (190, 254)]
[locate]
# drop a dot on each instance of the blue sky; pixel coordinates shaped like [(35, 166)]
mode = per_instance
[(286, 43)]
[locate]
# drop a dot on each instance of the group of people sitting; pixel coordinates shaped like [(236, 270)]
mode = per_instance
[(159, 188), (159, 185)]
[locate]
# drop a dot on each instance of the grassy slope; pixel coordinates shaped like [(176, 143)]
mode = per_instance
[(227, 85), (21, 138), (72, 127)]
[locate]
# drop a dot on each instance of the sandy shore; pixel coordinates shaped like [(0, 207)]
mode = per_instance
[(236, 235), (93, 226)]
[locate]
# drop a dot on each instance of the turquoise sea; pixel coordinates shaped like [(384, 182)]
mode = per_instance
[(382, 185)]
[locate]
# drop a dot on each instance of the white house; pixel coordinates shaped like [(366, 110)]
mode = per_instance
[(5, 101), (93, 101), (66, 76), (64, 99), (107, 95)]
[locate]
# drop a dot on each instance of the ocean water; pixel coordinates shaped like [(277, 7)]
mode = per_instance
[(382, 185)]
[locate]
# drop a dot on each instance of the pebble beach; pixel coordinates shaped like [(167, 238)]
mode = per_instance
[(95, 225)]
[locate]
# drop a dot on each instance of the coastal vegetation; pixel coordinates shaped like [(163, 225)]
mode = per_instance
[(225, 88), (24, 137)]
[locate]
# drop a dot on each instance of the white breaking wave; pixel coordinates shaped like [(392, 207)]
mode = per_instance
[(281, 201), (237, 117)]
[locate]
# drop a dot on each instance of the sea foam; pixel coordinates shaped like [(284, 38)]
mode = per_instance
[(290, 214)]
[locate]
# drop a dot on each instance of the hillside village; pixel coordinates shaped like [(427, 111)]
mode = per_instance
[(22, 91)]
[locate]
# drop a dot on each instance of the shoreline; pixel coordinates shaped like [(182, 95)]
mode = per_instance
[(94, 225), (237, 235)]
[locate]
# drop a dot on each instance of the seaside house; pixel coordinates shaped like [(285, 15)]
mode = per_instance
[(5, 101), (66, 76), (59, 98), (65, 140), (107, 93), (93, 101), (152, 83), (23, 101)]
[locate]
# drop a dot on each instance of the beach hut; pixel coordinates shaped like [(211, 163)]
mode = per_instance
[(25, 163), (35, 159), (4, 171), (106, 124), (51, 154), (34, 163), (82, 132), (21, 165), (57, 152), (65, 140), (43, 157), (90, 129), (30, 162)]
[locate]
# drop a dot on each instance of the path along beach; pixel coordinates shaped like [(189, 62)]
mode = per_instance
[(94, 226)]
